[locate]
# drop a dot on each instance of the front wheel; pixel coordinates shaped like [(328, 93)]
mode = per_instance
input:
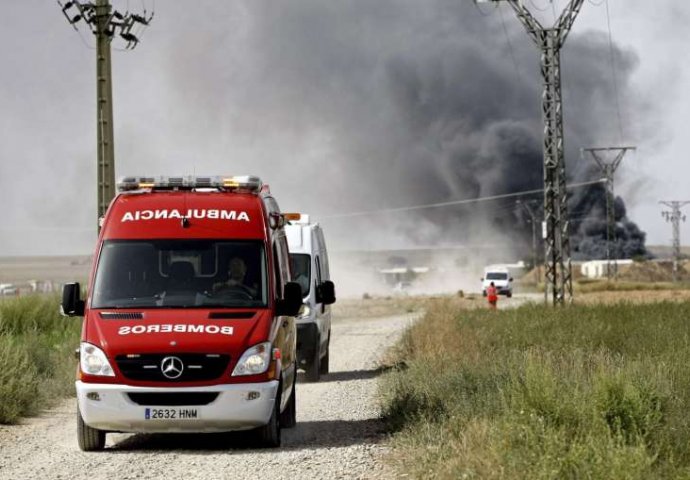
[(509, 294), (312, 371), (89, 439), (268, 436), (323, 366), (288, 418)]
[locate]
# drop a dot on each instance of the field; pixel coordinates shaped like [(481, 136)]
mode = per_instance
[(597, 390), (593, 391), (20, 270)]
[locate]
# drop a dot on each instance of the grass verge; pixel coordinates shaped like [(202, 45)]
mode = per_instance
[(36, 345), (582, 392)]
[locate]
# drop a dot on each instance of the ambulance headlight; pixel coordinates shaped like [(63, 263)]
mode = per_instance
[(254, 360), (93, 361)]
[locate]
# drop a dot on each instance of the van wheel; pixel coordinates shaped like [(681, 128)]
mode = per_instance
[(312, 370), (509, 294), (483, 293), (89, 439), (323, 366), (268, 436), (288, 418)]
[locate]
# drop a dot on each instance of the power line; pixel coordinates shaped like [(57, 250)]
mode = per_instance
[(510, 45), (451, 203), (613, 72)]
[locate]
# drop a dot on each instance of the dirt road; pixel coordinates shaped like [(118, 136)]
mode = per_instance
[(338, 434)]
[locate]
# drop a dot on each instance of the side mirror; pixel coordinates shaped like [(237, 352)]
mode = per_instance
[(325, 293), (291, 302), (481, 279), (72, 305), (510, 279)]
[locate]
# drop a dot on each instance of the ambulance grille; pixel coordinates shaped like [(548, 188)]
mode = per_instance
[(195, 366), (172, 399), (122, 316)]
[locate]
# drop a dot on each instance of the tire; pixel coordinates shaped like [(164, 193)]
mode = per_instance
[(288, 418), (509, 294), (268, 436), (312, 369), (323, 365), (483, 293), (89, 439)]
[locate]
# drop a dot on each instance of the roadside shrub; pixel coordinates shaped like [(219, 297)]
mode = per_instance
[(36, 345), (18, 381)]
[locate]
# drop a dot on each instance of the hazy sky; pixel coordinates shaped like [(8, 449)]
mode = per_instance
[(313, 96)]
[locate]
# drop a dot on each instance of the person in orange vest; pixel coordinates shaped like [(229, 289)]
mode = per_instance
[(492, 295)]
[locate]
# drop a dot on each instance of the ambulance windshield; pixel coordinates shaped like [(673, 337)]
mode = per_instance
[(181, 274), (301, 270)]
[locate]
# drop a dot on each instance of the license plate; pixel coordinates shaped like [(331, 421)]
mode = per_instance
[(171, 414)]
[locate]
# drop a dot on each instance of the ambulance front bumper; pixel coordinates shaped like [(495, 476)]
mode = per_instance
[(130, 409)]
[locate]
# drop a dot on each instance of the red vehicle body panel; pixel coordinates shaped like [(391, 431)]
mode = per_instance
[(157, 215)]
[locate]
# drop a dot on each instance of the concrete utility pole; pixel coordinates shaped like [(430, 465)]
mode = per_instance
[(674, 216), (528, 207), (558, 271), (608, 169), (104, 23)]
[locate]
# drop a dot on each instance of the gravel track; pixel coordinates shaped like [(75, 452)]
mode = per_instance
[(338, 434)]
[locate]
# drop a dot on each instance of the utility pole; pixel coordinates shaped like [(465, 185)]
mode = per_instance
[(528, 207), (104, 23), (558, 270), (608, 169), (675, 217)]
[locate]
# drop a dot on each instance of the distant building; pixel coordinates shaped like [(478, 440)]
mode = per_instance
[(599, 268)]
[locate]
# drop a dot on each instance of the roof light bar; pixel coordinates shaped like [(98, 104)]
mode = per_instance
[(248, 183)]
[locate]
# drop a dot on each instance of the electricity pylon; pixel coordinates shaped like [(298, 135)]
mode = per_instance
[(608, 169), (558, 269), (104, 23), (675, 217)]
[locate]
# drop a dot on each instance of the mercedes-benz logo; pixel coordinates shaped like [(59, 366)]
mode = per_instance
[(172, 367)]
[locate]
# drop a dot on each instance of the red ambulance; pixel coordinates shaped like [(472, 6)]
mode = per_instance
[(189, 317)]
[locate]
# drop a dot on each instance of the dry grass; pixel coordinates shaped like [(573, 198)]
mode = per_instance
[(584, 392), (636, 297)]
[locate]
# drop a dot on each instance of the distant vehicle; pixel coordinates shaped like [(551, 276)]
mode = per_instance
[(8, 289), (309, 259), (500, 276)]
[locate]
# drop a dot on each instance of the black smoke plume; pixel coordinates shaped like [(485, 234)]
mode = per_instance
[(410, 103)]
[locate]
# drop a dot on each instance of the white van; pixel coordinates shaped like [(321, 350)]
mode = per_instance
[(309, 259), (500, 276)]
